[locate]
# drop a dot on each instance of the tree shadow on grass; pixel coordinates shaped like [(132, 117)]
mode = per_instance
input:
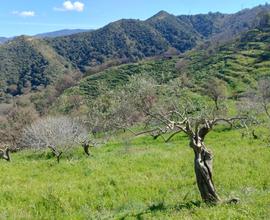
[(39, 155), (188, 205), (48, 155), (161, 207)]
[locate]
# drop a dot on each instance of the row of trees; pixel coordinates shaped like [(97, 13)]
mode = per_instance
[(162, 108), (173, 109), (58, 133), (129, 104)]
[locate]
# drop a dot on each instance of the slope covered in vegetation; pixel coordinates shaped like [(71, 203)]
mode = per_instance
[(240, 63), (180, 97), (121, 40), (27, 63), (130, 40), (161, 70)]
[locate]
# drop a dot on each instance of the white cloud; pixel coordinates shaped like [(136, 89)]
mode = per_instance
[(69, 6), (24, 13)]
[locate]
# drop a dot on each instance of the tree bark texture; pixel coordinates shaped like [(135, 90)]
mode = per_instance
[(203, 165)]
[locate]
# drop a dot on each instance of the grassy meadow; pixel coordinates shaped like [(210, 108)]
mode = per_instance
[(137, 178)]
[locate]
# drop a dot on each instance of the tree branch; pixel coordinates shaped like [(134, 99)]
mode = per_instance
[(172, 135)]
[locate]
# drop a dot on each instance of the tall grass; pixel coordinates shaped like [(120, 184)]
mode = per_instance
[(137, 179)]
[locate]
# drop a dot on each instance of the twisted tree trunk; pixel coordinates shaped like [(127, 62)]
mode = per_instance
[(203, 164)]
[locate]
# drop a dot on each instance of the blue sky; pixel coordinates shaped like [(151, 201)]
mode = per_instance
[(37, 16)]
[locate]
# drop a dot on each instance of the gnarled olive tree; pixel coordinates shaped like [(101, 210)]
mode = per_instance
[(196, 116), (196, 130)]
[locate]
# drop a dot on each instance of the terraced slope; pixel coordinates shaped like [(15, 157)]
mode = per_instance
[(240, 63)]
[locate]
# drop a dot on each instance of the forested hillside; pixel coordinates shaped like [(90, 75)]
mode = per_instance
[(27, 63), (130, 40), (223, 27), (239, 64), (124, 39)]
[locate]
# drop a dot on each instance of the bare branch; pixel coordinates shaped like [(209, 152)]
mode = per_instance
[(172, 135)]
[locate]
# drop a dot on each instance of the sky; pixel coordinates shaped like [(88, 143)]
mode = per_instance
[(31, 17)]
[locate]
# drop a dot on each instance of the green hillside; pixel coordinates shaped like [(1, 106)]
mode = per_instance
[(223, 27), (127, 40), (27, 64), (125, 122), (130, 40), (240, 63), (179, 34), (161, 70)]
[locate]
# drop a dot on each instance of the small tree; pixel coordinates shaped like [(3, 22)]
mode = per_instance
[(122, 107), (216, 89), (264, 94), (59, 134)]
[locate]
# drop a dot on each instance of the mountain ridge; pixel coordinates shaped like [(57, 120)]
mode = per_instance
[(3, 39), (239, 64), (51, 34), (61, 33), (123, 41)]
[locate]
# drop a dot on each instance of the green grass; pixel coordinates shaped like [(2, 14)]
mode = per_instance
[(137, 179)]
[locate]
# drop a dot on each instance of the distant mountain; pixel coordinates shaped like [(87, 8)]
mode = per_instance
[(27, 63), (3, 40), (224, 27), (131, 40), (240, 63), (31, 62), (60, 33)]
